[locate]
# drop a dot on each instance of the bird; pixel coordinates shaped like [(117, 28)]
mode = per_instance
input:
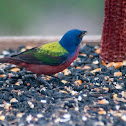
[(49, 58)]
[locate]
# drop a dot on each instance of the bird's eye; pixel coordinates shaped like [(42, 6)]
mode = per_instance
[(80, 35)]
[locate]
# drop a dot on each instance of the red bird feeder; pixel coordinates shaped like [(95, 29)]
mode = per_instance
[(113, 43)]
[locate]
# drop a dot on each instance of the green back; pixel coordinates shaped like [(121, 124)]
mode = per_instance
[(49, 54)]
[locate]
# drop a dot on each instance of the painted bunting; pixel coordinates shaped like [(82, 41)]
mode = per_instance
[(50, 58)]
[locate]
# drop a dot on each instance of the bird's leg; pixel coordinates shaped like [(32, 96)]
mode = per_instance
[(24, 69), (44, 81)]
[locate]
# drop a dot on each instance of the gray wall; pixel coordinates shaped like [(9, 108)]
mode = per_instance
[(50, 17)]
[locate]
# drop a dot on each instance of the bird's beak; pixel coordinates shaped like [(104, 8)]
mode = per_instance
[(83, 33)]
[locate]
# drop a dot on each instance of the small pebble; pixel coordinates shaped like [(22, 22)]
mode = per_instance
[(117, 64), (66, 72), (1, 56), (7, 106), (40, 115), (23, 49), (78, 82), (43, 101), (2, 117), (116, 74), (31, 104), (97, 51), (13, 100), (5, 53), (86, 67), (29, 47), (84, 118), (110, 64), (103, 63), (64, 81), (64, 120), (105, 88), (57, 120), (103, 101), (29, 118), (118, 86), (74, 92), (96, 70), (124, 63), (102, 112), (82, 54), (15, 69), (79, 98), (66, 116), (19, 115), (3, 75), (98, 123), (115, 96), (17, 83), (96, 62), (63, 91), (123, 117), (117, 107)]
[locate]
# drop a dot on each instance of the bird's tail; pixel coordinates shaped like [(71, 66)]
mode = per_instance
[(10, 60), (4, 60)]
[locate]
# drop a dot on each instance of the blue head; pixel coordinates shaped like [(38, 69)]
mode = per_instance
[(71, 39)]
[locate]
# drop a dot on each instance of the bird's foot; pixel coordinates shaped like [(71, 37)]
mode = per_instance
[(45, 82)]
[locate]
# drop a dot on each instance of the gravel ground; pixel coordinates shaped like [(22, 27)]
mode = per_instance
[(88, 93)]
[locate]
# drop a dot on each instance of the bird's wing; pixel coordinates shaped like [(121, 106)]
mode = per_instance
[(48, 54)]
